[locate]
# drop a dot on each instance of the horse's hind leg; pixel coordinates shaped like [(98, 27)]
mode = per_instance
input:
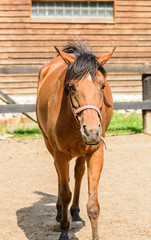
[(62, 166), (78, 173)]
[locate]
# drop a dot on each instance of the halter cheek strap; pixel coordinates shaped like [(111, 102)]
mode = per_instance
[(105, 101)]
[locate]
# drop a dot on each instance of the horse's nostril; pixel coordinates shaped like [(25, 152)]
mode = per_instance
[(85, 130)]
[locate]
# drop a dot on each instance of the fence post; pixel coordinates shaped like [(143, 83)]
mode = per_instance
[(147, 96)]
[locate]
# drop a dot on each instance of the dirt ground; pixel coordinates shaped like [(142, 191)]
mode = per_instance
[(28, 191)]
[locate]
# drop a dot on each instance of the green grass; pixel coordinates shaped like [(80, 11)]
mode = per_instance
[(23, 131), (127, 123), (27, 132)]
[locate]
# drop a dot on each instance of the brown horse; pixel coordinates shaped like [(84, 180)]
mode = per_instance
[(74, 109)]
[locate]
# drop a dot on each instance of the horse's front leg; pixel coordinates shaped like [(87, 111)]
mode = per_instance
[(62, 166), (78, 174), (94, 164), (58, 205)]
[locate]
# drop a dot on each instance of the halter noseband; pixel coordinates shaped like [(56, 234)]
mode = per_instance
[(76, 111)]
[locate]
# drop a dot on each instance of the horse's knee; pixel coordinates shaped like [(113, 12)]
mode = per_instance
[(93, 209), (79, 168)]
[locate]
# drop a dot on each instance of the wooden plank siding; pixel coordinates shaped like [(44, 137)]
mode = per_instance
[(27, 42), (24, 84)]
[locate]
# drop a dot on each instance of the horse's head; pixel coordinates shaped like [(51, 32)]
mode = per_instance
[(86, 97), (84, 83)]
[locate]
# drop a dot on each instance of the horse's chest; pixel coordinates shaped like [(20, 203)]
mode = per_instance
[(70, 144)]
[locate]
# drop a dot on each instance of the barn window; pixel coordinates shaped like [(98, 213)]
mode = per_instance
[(73, 9)]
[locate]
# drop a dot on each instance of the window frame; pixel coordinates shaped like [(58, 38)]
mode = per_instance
[(74, 20)]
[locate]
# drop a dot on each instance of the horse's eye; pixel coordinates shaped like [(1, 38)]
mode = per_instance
[(103, 86), (72, 87)]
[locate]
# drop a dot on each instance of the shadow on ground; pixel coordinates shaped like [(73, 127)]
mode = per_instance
[(38, 221)]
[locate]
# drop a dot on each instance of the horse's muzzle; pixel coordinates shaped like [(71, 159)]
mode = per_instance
[(91, 136)]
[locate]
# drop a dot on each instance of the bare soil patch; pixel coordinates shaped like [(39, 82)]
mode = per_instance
[(28, 191)]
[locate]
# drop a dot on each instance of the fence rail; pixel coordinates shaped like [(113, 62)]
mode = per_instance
[(24, 108), (17, 108), (145, 106)]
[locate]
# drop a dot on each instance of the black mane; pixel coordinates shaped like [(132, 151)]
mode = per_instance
[(85, 62)]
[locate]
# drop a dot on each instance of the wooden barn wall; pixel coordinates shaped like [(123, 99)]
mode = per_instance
[(25, 42)]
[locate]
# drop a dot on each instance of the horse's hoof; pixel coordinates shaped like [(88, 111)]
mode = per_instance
[(77, 225), (64, 236), (75, 214), (76, 218)]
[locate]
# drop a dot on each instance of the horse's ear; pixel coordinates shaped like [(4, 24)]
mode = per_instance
[(65, 56), (103, 59)]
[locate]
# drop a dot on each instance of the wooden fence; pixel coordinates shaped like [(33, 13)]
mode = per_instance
[(145, 106), (24, 108)]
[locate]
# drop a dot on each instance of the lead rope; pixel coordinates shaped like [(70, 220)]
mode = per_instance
[(102, 138)]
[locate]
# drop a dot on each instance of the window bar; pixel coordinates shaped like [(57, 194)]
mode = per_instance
[(72, 9), (63, 7), (97, 10), (89, 9), (38, 9), (81, 9), (46, 9)]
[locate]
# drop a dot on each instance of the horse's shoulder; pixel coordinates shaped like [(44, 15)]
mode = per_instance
[(49, 69), (45, 69)]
